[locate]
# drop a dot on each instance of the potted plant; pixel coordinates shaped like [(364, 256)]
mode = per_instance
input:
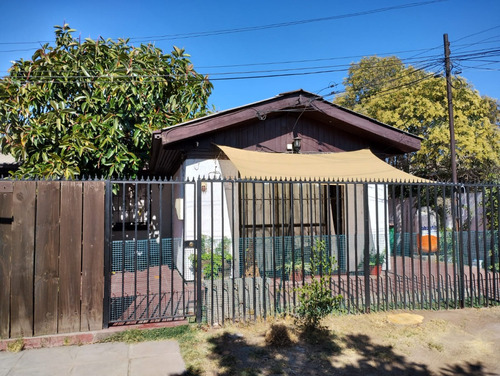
[(296, 272), (376, 261), (213, 263)]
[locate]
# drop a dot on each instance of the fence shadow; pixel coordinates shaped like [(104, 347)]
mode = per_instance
[(469, 369), (315, 353)]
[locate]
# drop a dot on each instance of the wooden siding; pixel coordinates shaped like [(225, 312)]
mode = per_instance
[(46, 285), (272, 124), (274, 133)]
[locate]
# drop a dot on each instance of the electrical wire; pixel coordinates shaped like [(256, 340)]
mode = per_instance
[(410, 60), (267, 26), (140, 73), (476, 55)]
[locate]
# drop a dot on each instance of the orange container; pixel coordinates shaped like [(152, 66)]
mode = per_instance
[(427, 243)]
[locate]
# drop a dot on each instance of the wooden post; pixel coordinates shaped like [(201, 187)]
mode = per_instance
[(70, 258), (22, 258), (6, 189), (46, 258), (93, 256)]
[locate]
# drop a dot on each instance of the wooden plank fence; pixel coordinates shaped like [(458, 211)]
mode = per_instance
[(51, 257)]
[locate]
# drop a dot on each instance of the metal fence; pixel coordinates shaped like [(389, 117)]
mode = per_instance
[(238, 249)]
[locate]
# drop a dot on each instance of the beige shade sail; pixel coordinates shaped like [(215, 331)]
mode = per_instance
[(352, 165)]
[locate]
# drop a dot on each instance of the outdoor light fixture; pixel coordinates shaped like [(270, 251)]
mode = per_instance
[(296, 144)]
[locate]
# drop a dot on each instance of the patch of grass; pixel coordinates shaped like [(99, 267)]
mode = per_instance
[(259, 353), (435, 346), (249, 372), (16, 346), (136, 335), (276, 370), (321, 338), (192, 343), (278, 335)]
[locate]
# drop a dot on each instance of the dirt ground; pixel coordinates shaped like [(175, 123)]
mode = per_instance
[(446, 342)]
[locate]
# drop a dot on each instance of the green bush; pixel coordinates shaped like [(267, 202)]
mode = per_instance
[(213, 264), (315, 297)]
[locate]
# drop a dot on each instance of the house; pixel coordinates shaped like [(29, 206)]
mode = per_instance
[(7, 164), (270, 126), (295, 136)]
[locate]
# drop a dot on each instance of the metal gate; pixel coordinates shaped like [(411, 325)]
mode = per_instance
[(150, 274)]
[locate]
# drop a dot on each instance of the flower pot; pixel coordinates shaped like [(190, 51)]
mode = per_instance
[(297, 275), (375, 269)]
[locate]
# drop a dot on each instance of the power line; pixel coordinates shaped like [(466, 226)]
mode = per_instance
[(345, 66), (286, 24), (480, 67), (267, 26), (477, 33), (314, 60), (482, 41), (136, 74), (412, 61), (391, 90)]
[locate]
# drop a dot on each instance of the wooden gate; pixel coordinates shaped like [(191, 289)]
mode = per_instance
[(52, 241)]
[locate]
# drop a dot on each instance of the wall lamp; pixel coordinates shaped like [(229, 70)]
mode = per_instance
[(296, 144)]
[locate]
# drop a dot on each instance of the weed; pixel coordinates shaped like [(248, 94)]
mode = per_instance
[(135, 335), (16, 346), (435, 346), (278, 335)]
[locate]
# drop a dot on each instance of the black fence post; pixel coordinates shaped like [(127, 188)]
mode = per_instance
[(461, 261), (108, 203), (197, 252), (366, 247)]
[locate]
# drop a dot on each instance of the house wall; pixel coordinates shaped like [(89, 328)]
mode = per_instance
[(379, 221), (275, 132), (354, 222), (216, 202)]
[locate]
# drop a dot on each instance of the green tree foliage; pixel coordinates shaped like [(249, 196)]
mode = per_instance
[(89, 108), (415, 101)]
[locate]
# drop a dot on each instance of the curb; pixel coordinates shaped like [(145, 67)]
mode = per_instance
[(82, 338)]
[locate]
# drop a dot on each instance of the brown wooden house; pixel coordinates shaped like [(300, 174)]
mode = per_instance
[(190, 150), (270, 125)]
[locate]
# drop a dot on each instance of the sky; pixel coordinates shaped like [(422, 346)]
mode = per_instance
[(288, 45)]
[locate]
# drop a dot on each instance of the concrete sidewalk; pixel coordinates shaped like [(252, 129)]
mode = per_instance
[(110, 359)]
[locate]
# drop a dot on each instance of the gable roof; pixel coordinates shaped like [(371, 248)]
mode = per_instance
[(166, 142)]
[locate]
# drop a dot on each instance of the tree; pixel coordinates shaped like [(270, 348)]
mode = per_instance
[(89, 108), (415, 101)]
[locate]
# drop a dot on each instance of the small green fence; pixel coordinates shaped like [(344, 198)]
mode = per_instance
[(141, 254), (477, 247)]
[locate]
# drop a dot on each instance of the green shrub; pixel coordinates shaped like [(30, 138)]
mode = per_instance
[(212, 264), (315, 297)]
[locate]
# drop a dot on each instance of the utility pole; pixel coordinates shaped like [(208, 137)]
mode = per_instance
[(450, 108), (454, 170)]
